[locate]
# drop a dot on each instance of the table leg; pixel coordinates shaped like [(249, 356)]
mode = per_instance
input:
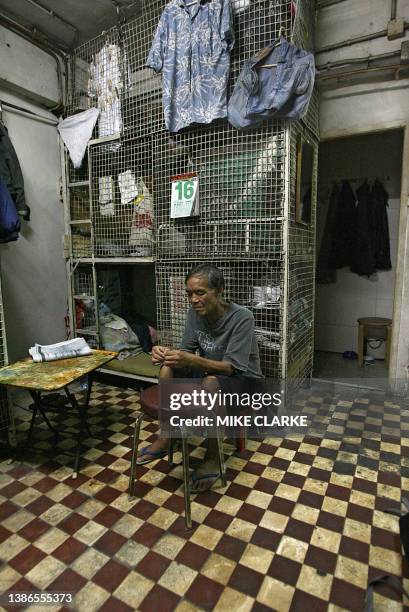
[(36, 395)]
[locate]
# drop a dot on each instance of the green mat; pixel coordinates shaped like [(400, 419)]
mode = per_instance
[(140, 365)]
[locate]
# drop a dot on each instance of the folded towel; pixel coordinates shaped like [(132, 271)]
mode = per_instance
[(61, 350)]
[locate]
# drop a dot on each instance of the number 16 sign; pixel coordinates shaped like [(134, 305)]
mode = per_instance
[(184, 196)]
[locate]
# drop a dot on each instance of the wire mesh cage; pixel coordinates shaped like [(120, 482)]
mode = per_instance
[(257, 286), (246, 221), (79, 203), (241, 192), (301, 252), (122, 202), (83, 282)]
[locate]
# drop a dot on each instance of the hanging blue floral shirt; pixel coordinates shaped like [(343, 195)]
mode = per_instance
[(192, 47)]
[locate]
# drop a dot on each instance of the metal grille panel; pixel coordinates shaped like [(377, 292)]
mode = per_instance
[(258, 286), (123, 225)]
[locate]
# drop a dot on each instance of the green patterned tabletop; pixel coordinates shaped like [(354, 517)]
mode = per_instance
[(52, 375)]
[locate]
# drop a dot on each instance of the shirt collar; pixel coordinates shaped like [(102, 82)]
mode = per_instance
[(192, 10)]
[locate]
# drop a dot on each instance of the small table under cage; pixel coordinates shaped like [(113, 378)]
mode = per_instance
[(50, 376)]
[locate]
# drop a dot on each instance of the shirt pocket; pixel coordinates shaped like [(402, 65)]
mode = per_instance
[(302, 79)]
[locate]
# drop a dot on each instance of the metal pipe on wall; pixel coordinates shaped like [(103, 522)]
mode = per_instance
[(337, 75), (358, 60), (57, 55), (394, 5), (25, 112), (358, 39), (321, 5), (57, 17)]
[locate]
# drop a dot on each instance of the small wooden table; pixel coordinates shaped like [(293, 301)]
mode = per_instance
[(46, 376), (380, 328)]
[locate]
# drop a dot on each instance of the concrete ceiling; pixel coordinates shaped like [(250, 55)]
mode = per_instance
[(68, 23)]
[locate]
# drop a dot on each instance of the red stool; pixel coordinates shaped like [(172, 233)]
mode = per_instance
[(149, 401)]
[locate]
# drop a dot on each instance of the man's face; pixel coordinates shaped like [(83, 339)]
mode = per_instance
[(203, 299)]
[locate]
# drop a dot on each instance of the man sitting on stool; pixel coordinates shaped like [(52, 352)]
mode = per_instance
[(223, 334)]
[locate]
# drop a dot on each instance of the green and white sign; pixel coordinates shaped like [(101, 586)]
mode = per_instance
[(184, 196)]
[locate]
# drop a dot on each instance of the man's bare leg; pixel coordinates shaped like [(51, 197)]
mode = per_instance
[(160, 444), (209, 471)]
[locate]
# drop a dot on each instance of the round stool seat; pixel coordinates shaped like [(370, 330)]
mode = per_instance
[(150, 401), (374, 321)]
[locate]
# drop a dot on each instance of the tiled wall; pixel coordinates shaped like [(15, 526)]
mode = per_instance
[(339, 305)]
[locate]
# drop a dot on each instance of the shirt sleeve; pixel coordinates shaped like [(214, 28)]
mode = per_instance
[(158, 48), (239, 346), (189, 341), (226, 25)]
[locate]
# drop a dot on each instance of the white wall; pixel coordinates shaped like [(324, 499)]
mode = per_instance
[(370, 104), (33, 269), (339, 305)]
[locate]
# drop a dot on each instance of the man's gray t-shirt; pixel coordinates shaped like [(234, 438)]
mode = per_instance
[(230, 339)]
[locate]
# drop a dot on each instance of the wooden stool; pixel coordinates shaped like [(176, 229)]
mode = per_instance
[(150, 410), (376, 327)]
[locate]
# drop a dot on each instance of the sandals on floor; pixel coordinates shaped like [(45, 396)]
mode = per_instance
[(198, 484), (147, 456)]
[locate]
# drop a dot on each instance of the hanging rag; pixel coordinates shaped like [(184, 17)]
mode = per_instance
[(107, 73), (9, 220), (106, 196), (76, 132), (10, 172), (127, 186), (381, 233)]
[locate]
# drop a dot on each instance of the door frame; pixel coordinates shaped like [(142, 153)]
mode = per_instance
[(399, 355)]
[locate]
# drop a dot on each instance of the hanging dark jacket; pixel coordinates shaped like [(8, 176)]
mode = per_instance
[(10, 172), (9, 221), (325, 272), (364, 260), (381, 233), (344, 223)]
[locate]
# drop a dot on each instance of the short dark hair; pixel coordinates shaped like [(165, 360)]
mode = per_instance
[(213, 274)]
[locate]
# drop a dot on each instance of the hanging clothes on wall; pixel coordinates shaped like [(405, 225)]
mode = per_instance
[(107, 79), (10, 172), (343, 239), (382, 245), (326, 269), (356, 232), (9, 220), (364, 259), (192, 47)]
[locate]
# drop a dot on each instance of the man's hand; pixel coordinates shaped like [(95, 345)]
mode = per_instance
[(158, 354), (178, 359)]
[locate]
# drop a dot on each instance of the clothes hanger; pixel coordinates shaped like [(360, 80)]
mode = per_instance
[(197, 2), (280, 35)]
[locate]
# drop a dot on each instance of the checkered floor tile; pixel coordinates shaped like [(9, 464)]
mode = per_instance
[(300, 525)]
